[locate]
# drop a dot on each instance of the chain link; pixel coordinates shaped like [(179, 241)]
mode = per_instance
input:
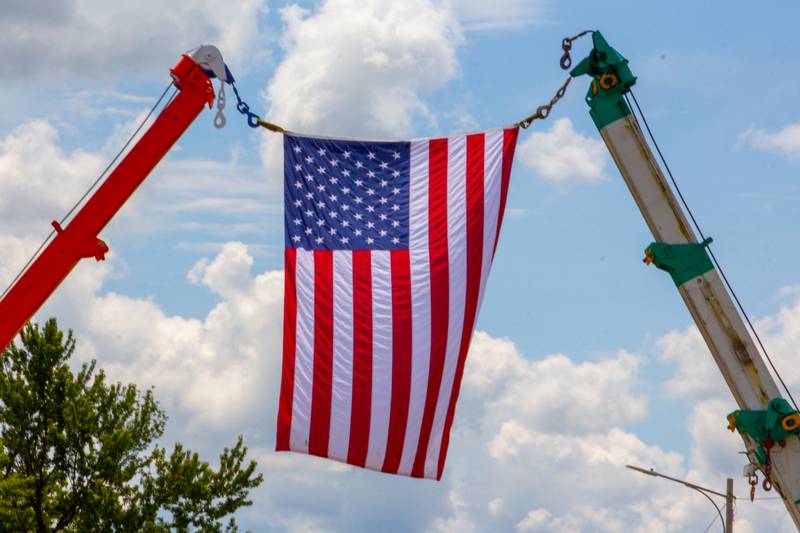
[(543, 111), (566, 45), (244, 109), (253, 120)]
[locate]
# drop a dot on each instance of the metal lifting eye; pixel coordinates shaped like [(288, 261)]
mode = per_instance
[(609, 80), (791, 422)]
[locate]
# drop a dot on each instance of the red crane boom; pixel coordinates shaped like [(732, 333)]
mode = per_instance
[(79, 239)]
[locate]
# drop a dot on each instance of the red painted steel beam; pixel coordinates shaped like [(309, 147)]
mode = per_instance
[(79, 239)]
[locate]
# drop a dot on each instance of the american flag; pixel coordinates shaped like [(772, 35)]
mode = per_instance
[(388, 247)]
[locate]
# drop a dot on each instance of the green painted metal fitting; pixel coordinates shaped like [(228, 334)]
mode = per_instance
[(611, 79), (766, 426), (682, 261)]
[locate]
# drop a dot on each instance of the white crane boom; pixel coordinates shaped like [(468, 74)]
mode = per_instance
[(768, 425)]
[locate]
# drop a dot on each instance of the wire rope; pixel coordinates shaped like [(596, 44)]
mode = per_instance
[(710, 251), (91, 188)]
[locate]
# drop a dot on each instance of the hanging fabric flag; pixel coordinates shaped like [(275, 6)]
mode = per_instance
[(388, 247)]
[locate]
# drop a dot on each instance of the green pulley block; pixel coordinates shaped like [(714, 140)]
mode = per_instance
[(611, 79), (771, 425), (681, 261)]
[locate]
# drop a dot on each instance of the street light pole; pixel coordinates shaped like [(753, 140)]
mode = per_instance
[(729, 506), (727, 522)]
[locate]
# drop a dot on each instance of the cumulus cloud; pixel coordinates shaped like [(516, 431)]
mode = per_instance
[(538, 444), (360, 68), (519, 420), (696, 376), (564, 156), (220, 370), (781, 335), (96, 39), (40, 181), (554, 394), (528, 431), (784, 141), (500, 14), (218, 375), (715, 454)]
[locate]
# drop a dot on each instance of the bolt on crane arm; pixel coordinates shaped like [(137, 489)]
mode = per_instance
[(677, 251), (79, 238)]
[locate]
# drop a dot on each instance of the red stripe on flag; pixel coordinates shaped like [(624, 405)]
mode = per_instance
[(509, 144), (362, 358), (475, 176), (289, 339), (319, 431), (440, 291), (401, 358)]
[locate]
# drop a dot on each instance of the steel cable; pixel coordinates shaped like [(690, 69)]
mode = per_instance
[(91, 188), (710, 251)]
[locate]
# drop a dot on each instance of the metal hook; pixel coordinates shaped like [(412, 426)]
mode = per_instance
[(219, 118), (566, 61)]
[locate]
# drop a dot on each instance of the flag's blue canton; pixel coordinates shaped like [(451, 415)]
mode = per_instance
[(346, 195)]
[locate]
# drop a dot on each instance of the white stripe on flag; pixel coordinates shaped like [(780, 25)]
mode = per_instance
[(457, 265), (304, 355), (381, 358), (492, 184), (420, 301), (341, 397)]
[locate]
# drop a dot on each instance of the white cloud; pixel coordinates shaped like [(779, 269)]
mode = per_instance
[(553, 394), (500, 14), (40, 181), (538, 445), (16, 251), (532, 431), (781, 335), (540, 520), (697, 376), (108, 103), (98, 39), (216, 370), (518, 212), (219, 374), (458, 520), (563, 156), (495, 506), (785, 141), (360, 68), (527, 432), (715, 453)]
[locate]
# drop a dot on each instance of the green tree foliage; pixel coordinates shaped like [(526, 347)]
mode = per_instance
[(77, 453)]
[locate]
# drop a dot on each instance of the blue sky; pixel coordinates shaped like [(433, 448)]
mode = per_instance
[(718, 84)]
